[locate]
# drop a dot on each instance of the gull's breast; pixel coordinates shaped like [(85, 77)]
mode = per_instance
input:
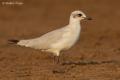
[(69, 38)]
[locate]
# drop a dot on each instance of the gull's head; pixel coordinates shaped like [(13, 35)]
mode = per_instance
[(78, 16)]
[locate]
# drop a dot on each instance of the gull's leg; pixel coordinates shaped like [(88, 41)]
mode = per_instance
[(57, 59)]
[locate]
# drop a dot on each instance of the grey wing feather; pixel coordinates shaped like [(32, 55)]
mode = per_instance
[(45, 41)]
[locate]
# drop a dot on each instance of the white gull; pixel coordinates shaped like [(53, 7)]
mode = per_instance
[(59, 39)]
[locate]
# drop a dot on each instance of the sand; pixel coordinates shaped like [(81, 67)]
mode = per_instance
[(99, 40)]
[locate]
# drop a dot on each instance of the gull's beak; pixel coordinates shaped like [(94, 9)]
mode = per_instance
[(88, 18)]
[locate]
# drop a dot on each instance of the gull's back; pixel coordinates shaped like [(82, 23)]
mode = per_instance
[(45, 41)]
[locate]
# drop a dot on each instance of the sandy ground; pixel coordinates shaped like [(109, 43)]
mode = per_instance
[(99, 40)]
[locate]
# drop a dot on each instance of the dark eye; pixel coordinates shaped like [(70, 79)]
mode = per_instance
[(79, 15)]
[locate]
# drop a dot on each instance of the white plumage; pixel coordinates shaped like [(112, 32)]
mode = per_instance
[(60, 39)]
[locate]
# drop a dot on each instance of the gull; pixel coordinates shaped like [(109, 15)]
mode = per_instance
[(57, 40)]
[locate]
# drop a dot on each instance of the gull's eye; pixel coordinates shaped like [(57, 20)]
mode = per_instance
[(79, 15)]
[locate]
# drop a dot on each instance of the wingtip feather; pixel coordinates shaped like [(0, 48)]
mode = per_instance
[(13, 41)]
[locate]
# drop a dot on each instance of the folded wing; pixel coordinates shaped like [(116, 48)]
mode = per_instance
[(45, 41)]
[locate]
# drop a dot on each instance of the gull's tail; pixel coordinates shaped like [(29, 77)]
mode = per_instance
[(13, 41)]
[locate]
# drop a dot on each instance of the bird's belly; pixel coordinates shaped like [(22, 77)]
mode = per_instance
[(71, 41), (67, 41)]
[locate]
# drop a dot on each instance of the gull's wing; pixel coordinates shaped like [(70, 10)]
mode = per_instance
[(46, 40)]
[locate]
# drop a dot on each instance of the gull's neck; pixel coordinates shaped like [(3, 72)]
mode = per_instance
[(74, 22)]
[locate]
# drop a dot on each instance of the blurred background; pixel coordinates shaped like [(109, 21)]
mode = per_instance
[(99, 39)]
